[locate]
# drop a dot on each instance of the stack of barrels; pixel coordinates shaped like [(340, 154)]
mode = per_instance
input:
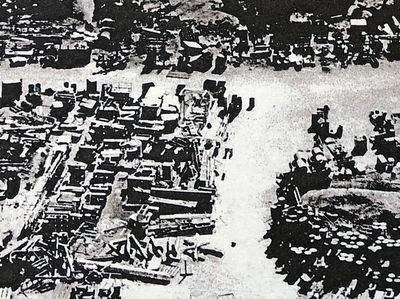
[(309, 170), (318, 249), (305, 161), (318, 246), (314, 246)]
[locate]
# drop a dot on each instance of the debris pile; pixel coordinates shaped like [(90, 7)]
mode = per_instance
[(146, 162), (319, 228)]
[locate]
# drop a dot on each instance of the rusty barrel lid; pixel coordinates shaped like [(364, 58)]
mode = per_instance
[(303, 219), (335, 241), (281, 199), (313, 250), (308, 252), (315, 227), (317, 237), (389, 280), (362, 237)]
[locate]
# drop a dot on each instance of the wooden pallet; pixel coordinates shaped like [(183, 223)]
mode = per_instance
[(171, 270), (178, 75)]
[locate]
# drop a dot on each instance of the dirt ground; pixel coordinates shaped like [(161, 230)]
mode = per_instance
[(264, 141)]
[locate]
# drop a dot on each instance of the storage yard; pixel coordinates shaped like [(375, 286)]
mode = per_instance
[(285, 100), (164, 149), (149, 161)]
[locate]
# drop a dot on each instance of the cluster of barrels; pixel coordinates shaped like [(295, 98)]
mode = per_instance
[(345, 166), (384, 142), (342, 258), (33, 98), (381, 122), (384, 165), (309, 161), (309, 170)]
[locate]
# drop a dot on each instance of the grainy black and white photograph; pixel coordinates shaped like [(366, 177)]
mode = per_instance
[(199, 149)]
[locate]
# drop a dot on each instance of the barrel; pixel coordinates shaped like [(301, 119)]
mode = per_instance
[(38, 88), (317, 150), (275, 213)]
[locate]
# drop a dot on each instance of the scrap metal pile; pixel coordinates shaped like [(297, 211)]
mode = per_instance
[(121, 186), (329, 239), (199, 36)]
